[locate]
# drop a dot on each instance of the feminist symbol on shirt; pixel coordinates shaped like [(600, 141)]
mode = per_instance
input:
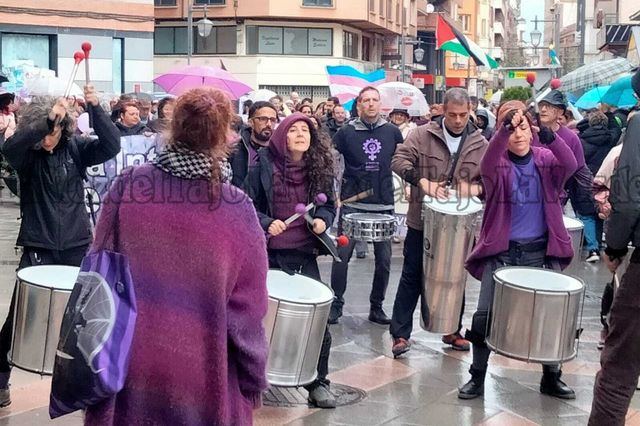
[(372, 148)]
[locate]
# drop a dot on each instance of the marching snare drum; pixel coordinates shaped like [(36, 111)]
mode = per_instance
[(373, 227), (449, 228), (41, 299), (295, 323), (575, 228), (535, 314)]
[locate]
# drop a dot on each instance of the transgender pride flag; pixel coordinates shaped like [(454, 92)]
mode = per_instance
[(345, 82)]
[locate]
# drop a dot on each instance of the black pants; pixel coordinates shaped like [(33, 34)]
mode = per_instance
[(518, 255), (339, 271), (410, 286), (295, 261), (32, 257), (620, 360)]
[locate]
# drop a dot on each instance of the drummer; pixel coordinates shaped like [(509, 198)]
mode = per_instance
[(522, 225), (51, 163), (367, 145), (425, 161), (293, 169)]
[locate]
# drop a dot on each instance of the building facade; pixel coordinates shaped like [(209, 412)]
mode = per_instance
[(120, 31), (285, 45)]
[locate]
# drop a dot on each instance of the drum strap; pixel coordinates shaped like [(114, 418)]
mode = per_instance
[(456, 155)]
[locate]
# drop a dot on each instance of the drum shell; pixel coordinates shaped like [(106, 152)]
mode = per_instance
[(448, 240), (533, 325), (37, 319), (576, 234), (295, 332), (376, 228)]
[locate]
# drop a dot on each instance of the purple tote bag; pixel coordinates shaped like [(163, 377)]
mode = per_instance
[(92, 358)]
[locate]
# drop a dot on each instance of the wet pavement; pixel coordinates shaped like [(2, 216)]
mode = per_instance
[(418, 389)]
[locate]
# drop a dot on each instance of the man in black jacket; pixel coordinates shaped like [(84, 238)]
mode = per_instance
[(620, 359), (51, 162), (367, 145), (263, 118)]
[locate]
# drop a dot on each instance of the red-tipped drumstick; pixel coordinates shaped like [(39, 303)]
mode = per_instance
[(556, 83), (342, 241), (86, 48), (531, 79), (77, 58)]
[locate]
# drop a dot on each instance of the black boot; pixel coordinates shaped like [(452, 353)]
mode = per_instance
[(474, 387), (553, 386), (335, 313), (377, 315)]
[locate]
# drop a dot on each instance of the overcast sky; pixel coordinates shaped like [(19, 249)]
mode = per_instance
[(529, 10)]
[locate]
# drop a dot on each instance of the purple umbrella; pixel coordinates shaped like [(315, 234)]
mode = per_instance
[(180, 80)]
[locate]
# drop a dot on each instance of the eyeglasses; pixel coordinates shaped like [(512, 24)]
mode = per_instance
[(263, 120)]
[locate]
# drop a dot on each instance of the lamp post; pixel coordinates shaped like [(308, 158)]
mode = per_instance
[(204, 29)]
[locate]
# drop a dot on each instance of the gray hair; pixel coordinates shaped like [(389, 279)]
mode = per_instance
[(456, 95), (38, 110)]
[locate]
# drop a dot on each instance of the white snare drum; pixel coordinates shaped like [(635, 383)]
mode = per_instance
[(373, 227), (41, 298), (535, 314), (575, 228), (295, 323)]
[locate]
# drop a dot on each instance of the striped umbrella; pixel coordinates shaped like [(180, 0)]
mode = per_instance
[(595, 74)]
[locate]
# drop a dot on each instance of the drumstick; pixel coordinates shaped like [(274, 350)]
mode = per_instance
[(362, 195), (531, 78), (86, 48), (301, 209), (77, 58)]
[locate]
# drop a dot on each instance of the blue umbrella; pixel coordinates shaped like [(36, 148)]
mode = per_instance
[(621, 93), (592, 98)]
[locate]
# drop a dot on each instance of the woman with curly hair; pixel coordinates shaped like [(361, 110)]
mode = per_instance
[(294, 169), (199, 352)]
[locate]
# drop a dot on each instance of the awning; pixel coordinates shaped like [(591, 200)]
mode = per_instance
[(616, 38)]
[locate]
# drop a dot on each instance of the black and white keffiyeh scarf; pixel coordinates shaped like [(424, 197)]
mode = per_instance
[(180, 161)]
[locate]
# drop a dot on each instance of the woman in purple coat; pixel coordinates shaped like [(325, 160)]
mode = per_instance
[(199, 264), (522, 225)]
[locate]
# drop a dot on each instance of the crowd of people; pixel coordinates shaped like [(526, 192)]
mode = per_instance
[(203, 269)]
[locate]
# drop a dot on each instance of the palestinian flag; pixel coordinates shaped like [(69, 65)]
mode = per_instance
[(449, 38)]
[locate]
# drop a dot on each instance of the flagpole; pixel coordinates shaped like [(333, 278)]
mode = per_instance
[(468, 72)]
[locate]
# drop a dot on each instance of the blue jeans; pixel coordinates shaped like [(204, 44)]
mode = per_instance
[(590, 234)]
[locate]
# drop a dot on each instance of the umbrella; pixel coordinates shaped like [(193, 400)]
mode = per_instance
[(180, 80), (50, 86), (261, 95), (495, 98), (592, 98), (621, 94), (398, 95), (595, 74)]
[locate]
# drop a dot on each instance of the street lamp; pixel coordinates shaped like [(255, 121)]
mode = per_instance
[(204, 30), (418, 53), (536, 37)]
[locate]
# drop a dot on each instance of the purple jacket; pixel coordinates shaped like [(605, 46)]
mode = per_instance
[(199, 351), (555, 165)]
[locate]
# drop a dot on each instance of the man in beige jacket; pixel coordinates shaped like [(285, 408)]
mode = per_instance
[(424, 160)]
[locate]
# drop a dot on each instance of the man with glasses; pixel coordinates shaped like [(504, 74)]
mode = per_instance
[(367, 145), (263, 118)]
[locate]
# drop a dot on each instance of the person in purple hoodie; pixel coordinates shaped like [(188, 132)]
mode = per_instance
[(199, 266), (522, 225), (296, 167)]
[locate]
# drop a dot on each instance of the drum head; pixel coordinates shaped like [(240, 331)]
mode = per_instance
[(538, 279), (454, 205), (297, 288), (52, 276), (369, 217), (572, 224)]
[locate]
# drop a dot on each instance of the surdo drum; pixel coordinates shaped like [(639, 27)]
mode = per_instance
[(373, 227), (41, 299), (535, 314), (296, 319), (449, 228)]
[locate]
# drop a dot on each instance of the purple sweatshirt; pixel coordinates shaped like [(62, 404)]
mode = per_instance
[(199, 268), (527, 214), (554, 164)]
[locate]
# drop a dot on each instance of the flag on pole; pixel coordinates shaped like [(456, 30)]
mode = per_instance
[(345, 82), (553, 56), (449, 38)]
